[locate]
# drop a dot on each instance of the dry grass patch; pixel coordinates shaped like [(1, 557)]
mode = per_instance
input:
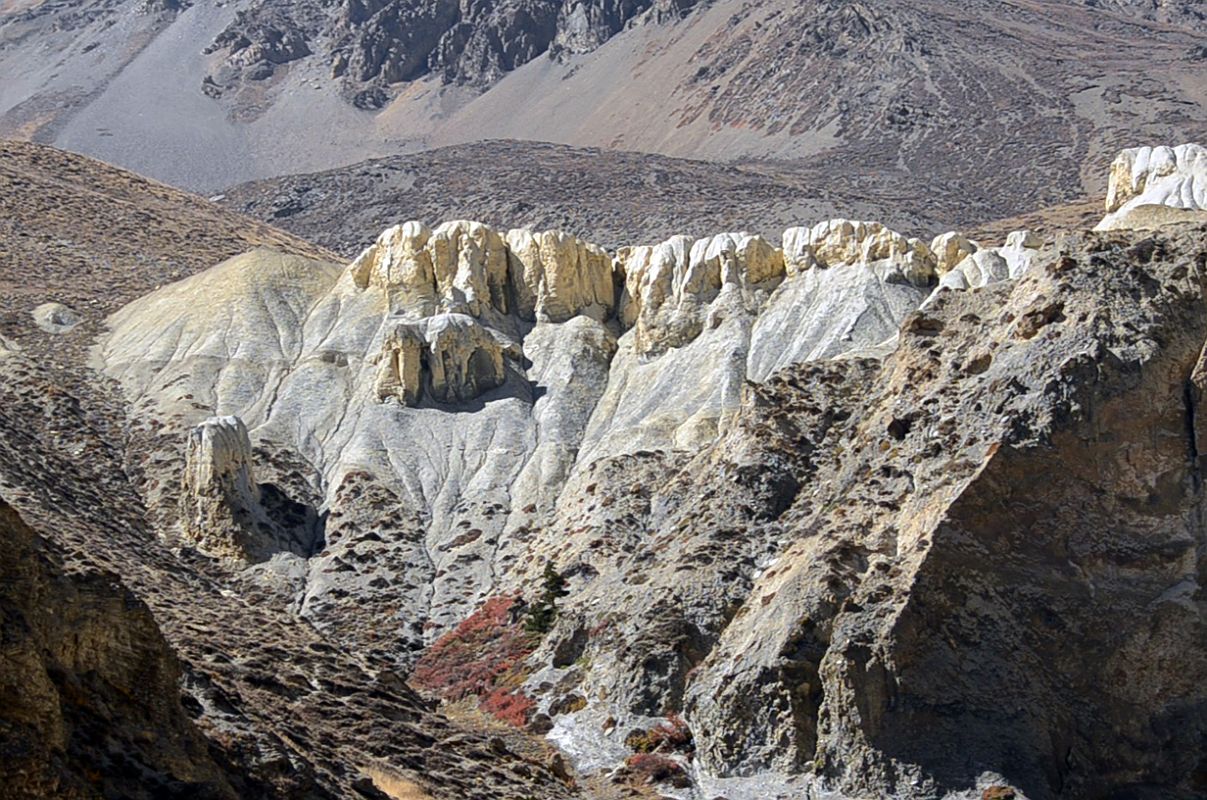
[(394, 785)]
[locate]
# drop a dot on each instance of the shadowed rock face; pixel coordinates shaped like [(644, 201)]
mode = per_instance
[(89, 690), (378, 43), (449, 357)]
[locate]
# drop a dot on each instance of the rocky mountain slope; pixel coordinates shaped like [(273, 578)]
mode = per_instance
[(840, 513), (866, 95), (608, 197)]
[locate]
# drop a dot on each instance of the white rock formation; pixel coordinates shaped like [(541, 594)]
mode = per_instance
[(511, 362), (555, 276), (451, 357), (950, 249), (465, 267), (218, 491), (984, 266), (671, 287), (1151, 186)]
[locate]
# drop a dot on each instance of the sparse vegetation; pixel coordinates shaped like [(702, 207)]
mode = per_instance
[(654, 768), (542, 614), (482, 657), (670, 736)]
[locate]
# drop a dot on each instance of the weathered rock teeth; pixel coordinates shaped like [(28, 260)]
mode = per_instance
[(1151, 186), (669, 287), (556, 276), (468, 268), (449, 356)]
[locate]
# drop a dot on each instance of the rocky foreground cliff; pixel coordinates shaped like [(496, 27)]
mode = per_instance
[(842, 514)]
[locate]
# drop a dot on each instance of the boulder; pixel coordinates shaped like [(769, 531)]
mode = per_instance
[(55, 318)]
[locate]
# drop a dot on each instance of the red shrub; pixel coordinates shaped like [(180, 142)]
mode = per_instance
[(475, 657), (654, 768), (671, 735), (514, 708)]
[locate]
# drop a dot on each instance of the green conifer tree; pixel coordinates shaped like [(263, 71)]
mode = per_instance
[(543, 613)]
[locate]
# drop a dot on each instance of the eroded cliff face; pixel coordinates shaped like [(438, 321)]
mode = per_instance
[(285, 710), (848, 511)]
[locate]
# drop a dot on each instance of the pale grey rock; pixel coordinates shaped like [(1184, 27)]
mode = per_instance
[(55, 318), (991, 265), (491, 416), (826, 313)]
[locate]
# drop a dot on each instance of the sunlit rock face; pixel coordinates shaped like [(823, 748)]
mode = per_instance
[(1152, 186)]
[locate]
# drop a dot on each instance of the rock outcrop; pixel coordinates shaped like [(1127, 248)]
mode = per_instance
[(468, 268), (224, 512), (555, 276), (375, 45), (1152, 186), (671, 287), (450, 357), (219, 496)]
